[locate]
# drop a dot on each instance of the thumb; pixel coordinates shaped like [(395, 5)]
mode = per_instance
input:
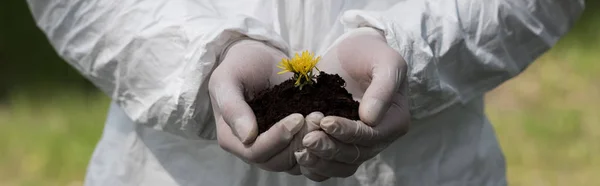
[(228, 98), (386, 79)]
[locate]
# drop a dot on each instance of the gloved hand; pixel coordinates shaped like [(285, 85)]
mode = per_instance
[(376, 75), (249, 67)]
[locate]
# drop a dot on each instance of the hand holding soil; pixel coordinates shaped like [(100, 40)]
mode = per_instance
[(267, 126), (283, 116), (304, 93), (375, 75), (247, 67)]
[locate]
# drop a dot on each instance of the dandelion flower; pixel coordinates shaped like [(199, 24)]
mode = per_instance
[(302, 66)]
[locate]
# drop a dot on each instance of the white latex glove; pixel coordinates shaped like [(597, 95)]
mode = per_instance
[(375, 75), (249, 67)]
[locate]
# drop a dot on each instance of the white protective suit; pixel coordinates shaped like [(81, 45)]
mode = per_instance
[(154, 59)]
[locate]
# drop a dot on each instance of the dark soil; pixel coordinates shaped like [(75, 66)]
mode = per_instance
[(328, 95)]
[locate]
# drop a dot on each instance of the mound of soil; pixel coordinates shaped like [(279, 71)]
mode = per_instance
[(328, 95)]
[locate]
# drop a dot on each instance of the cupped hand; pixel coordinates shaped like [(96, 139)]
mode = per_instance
[(249, 67), (375, 74)]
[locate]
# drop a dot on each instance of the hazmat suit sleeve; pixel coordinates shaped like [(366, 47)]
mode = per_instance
[(457, 50), (153, 58)]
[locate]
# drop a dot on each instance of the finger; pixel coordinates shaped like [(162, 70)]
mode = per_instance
[(266, 145), (304, 156), (349, 131), (282, 161), (393, 125), (378, 96), (311, 124), (313, 121), (325, 167), (321, 145), (228, 96), (285, 160)]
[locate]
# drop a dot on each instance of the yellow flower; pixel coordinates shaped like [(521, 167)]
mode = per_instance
[(302, 66)]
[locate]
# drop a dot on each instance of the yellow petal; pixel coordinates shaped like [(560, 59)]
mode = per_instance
[(301, 64)]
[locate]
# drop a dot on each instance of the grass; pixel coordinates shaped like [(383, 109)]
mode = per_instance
[(47, 140), (547, 120)]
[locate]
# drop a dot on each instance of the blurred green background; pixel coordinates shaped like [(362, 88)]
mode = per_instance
[(547, 119)]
